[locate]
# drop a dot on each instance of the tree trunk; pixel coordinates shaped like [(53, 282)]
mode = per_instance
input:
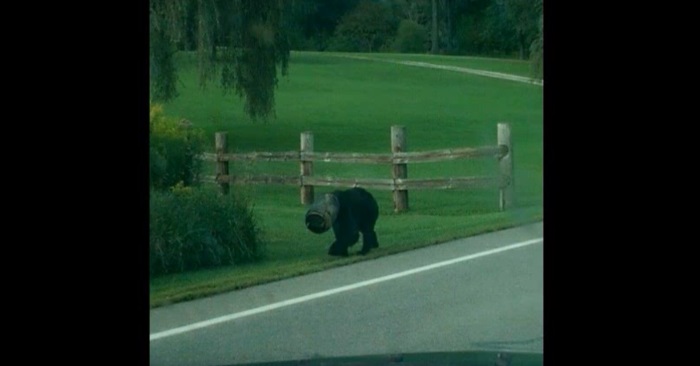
[(434, 34), (449, 26), (522, 52)]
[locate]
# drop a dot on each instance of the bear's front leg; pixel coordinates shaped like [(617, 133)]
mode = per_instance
[(338, 249), (346, 235), (342, 243)]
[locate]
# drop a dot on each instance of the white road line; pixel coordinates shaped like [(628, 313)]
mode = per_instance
[(297, 300)]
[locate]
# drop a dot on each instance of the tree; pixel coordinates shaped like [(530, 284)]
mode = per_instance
[(165, 20), (460, 26), (241, 41), (434, 32), (366, 28), (524, 16), (411, 37), (414, 10), (537, 46), (263, 47), (315, 20)]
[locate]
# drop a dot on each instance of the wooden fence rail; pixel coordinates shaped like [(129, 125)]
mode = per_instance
[(399, 184), (364, 158)]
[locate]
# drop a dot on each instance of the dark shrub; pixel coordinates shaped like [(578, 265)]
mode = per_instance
[(411, 37), (366, 28), (193, 228)]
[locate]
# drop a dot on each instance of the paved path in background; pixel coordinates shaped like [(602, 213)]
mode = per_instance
[(478, 293), (491, 74)]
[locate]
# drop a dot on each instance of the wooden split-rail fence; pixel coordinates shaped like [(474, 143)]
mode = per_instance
[(399, 183)]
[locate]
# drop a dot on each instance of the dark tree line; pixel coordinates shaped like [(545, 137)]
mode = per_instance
[(475, 27), (501, 28)]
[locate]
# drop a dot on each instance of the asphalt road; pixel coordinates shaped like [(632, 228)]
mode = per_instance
[(480, 293)]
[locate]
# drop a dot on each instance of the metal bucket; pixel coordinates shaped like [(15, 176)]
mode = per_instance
[(322, 214)]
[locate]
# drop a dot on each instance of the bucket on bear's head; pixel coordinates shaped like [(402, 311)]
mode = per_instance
[(322, 214)]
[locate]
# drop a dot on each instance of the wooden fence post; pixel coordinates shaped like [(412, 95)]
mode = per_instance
[(306, 167), (221, 166), (398, 144), (507, 192)]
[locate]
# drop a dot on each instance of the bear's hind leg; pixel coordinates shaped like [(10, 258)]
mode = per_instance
[(369, 241)]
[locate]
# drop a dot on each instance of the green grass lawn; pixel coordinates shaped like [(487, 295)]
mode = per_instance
[(350, 106)]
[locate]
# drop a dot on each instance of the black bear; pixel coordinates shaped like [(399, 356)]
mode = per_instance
[(350, 213)]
